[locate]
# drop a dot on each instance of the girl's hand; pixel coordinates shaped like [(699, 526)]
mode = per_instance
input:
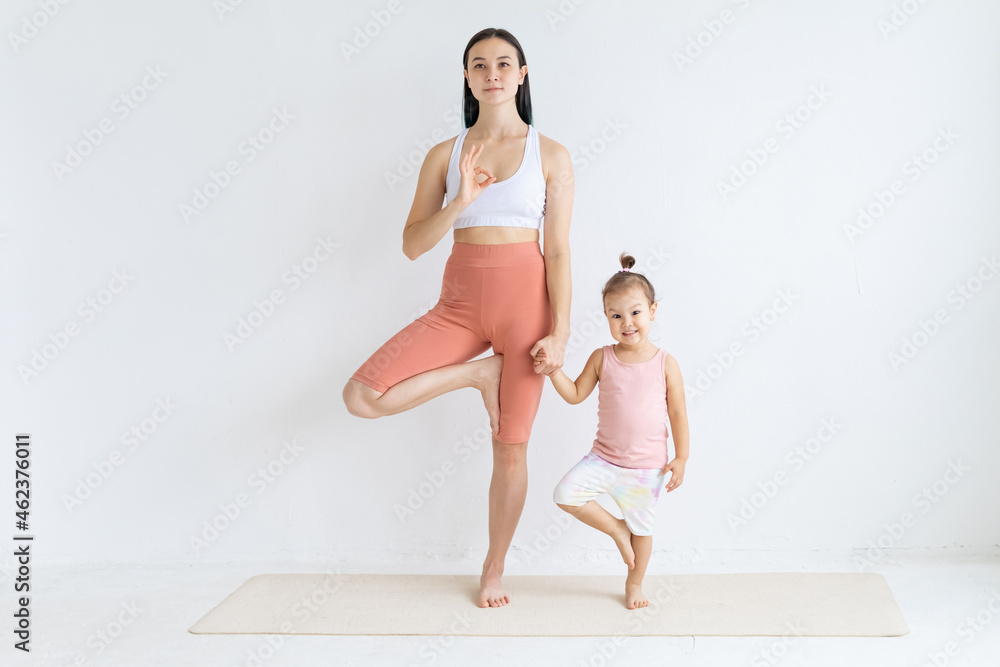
[(469, 187), (549, 353), (676, 470)]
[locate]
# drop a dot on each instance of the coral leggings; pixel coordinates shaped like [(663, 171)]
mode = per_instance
[(491, 295)]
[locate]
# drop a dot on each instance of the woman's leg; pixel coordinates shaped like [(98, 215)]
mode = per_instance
[(516, 315), (428, 357), (508, 489), (482, 374)]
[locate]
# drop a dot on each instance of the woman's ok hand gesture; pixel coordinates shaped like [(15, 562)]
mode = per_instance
[(469, 187)]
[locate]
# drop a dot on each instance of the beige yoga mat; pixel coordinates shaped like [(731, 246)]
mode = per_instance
[(770, 604)]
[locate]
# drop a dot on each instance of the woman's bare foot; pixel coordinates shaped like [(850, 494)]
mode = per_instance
[(491, 592), (623, 538), (634, 597), (488, 382)]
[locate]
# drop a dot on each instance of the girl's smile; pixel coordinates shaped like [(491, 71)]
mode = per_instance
[(629, 316)]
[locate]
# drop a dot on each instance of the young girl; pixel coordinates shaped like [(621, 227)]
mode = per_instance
[(641, 387)]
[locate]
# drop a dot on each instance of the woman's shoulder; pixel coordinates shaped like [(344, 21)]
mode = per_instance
[(551, 146), (555, 157), (443, 148), (439, 155)]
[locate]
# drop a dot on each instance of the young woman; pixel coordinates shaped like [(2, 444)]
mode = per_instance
[(501, 181)]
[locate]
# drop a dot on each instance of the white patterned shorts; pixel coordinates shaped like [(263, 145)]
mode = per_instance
[(634, 490)]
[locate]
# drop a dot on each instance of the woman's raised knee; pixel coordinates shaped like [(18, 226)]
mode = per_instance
[(360, 399)]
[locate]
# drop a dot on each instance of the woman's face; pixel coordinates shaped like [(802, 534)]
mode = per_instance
[(492, 71)]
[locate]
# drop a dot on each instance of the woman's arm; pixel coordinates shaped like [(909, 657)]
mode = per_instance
[(428, 222), (577, 392), (559, 187)]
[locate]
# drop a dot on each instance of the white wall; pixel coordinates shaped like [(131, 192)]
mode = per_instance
[(662, 135)]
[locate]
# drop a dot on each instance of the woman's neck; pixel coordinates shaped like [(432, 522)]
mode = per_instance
[(496, 122)]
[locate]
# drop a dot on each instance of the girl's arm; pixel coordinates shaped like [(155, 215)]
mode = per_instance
[(576, 392), (677, 412), (428, 222)]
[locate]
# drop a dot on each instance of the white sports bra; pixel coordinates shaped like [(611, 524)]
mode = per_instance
[(518, 201)]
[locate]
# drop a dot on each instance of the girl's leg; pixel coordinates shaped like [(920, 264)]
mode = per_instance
[(636, 493), (595, 516), (575, 494), (508, 489), (642, 545)]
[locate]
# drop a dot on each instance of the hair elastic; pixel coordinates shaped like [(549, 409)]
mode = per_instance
[(625, 271)]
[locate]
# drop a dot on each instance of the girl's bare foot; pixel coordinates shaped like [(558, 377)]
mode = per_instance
[(634, 598), (488, 382), (490, 591), (623, 538)]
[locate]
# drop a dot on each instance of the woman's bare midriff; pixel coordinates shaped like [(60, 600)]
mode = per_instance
[(495, 235)]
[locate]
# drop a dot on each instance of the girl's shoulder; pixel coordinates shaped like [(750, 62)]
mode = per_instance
[(596, 361)]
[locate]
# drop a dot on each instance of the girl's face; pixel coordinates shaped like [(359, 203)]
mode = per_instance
[(492, 71), (629, 316)]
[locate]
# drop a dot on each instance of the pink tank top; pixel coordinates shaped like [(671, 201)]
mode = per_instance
[(632, 412)]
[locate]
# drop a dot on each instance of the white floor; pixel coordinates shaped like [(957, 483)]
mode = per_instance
[(138, 614)]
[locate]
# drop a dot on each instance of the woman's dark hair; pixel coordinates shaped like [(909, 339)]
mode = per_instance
[(470, 105), (626, 280)]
